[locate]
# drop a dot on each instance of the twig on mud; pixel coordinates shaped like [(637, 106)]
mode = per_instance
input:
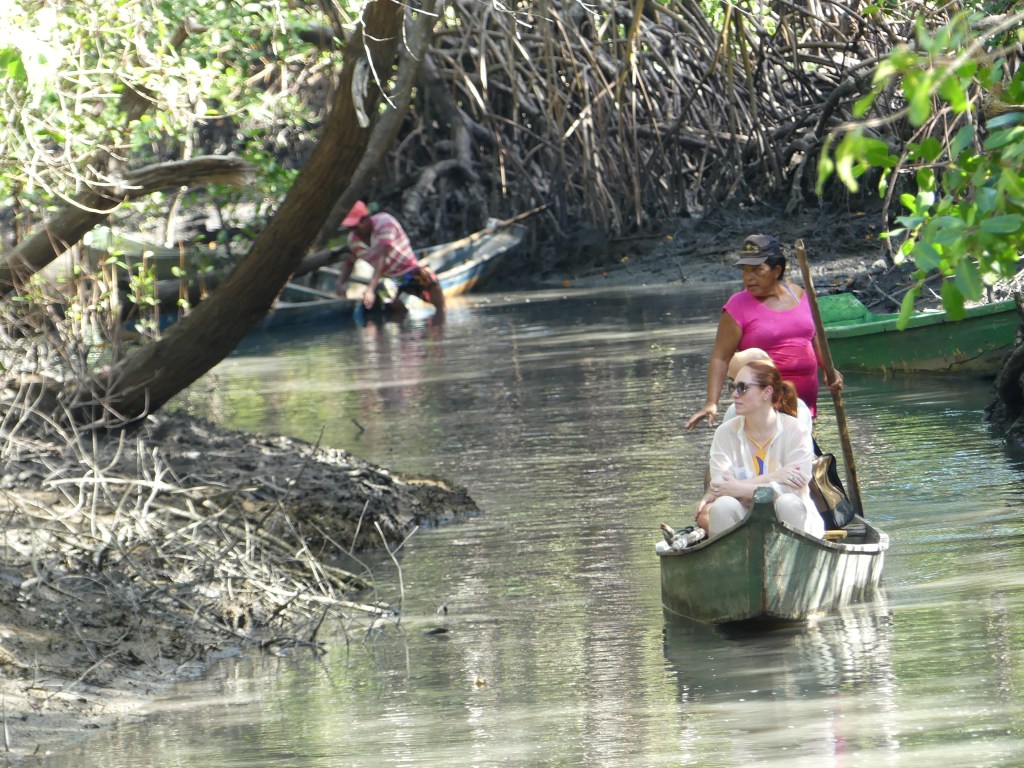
[(312, 635), (3, 715), (302, 469), (173, 524), (391, 554), (359, 525)]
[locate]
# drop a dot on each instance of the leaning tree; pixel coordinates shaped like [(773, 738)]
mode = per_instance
[(125, 389)]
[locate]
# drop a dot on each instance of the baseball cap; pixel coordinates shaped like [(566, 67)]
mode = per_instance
[(358, 213), (757, 249)]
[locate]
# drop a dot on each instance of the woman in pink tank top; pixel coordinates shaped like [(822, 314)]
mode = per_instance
[(772, 314)]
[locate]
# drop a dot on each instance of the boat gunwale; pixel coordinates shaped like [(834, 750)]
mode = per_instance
[(780, 527), (887, 323)]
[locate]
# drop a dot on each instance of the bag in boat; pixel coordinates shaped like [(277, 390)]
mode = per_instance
[(828, 493)]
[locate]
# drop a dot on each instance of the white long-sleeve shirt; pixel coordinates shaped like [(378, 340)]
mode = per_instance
[(792, 444)]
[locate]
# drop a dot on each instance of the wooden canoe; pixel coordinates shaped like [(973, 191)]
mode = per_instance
[(460, 265), (862, 340), (298, 304), (764, 570)]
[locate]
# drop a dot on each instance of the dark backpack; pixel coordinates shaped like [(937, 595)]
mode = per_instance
[(828, 493)]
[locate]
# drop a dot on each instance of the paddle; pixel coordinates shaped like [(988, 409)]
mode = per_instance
[(830, 372), (314, 292)]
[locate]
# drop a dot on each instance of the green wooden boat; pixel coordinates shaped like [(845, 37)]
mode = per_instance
[(764, 570), (860, 339)]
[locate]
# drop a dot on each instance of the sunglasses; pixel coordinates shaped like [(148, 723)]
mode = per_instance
[(741, 387)]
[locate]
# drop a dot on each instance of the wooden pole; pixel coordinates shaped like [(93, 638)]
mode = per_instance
[(837, 398)]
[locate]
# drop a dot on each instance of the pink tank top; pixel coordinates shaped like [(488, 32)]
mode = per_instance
[(785, 335)]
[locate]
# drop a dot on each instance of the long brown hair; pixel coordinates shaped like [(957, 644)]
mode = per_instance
[(783, 392)]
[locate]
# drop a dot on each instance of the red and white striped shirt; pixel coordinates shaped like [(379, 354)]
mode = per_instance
[(388, 241)]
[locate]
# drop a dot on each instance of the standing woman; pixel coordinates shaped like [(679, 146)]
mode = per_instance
[(772, 314), (765, 445)]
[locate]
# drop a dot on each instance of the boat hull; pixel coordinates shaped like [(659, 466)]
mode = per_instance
[(462, 264), (765, 570), (299, 304), (978, 343)]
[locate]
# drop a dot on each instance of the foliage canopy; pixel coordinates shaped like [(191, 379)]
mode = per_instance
[(90, 88), (960, 177)]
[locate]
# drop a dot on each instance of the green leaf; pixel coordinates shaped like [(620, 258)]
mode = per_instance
[(998, 139), (945, 230), (927, 150), (968, 279), (876, 152), (844, 165), (1003, 225), (1008, 118), (890, 67), (952, 90), (883, 182), (969, 212), (1012, 183), (907, 306), (12, 64), (986, 199), (917, 88), (926, 181), (926, 256), (952, 300), (825, 169), (963, 139), (864, 103), (989, 77), (968, 69), (925, 41), (910, 222)]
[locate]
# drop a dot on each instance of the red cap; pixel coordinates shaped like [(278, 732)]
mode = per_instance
[(358, 213)]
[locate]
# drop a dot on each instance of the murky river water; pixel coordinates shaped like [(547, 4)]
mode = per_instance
[(564, 419)]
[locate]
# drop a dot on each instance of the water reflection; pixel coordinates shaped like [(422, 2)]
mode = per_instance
[(843, 651), (799, 690)]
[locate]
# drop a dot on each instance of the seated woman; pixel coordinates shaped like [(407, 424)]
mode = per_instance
[(740, 359), (764, 445)]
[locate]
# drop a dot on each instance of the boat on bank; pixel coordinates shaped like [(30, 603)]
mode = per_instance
[(460, 266), (764, 570), (862, 340), (463, 264)]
